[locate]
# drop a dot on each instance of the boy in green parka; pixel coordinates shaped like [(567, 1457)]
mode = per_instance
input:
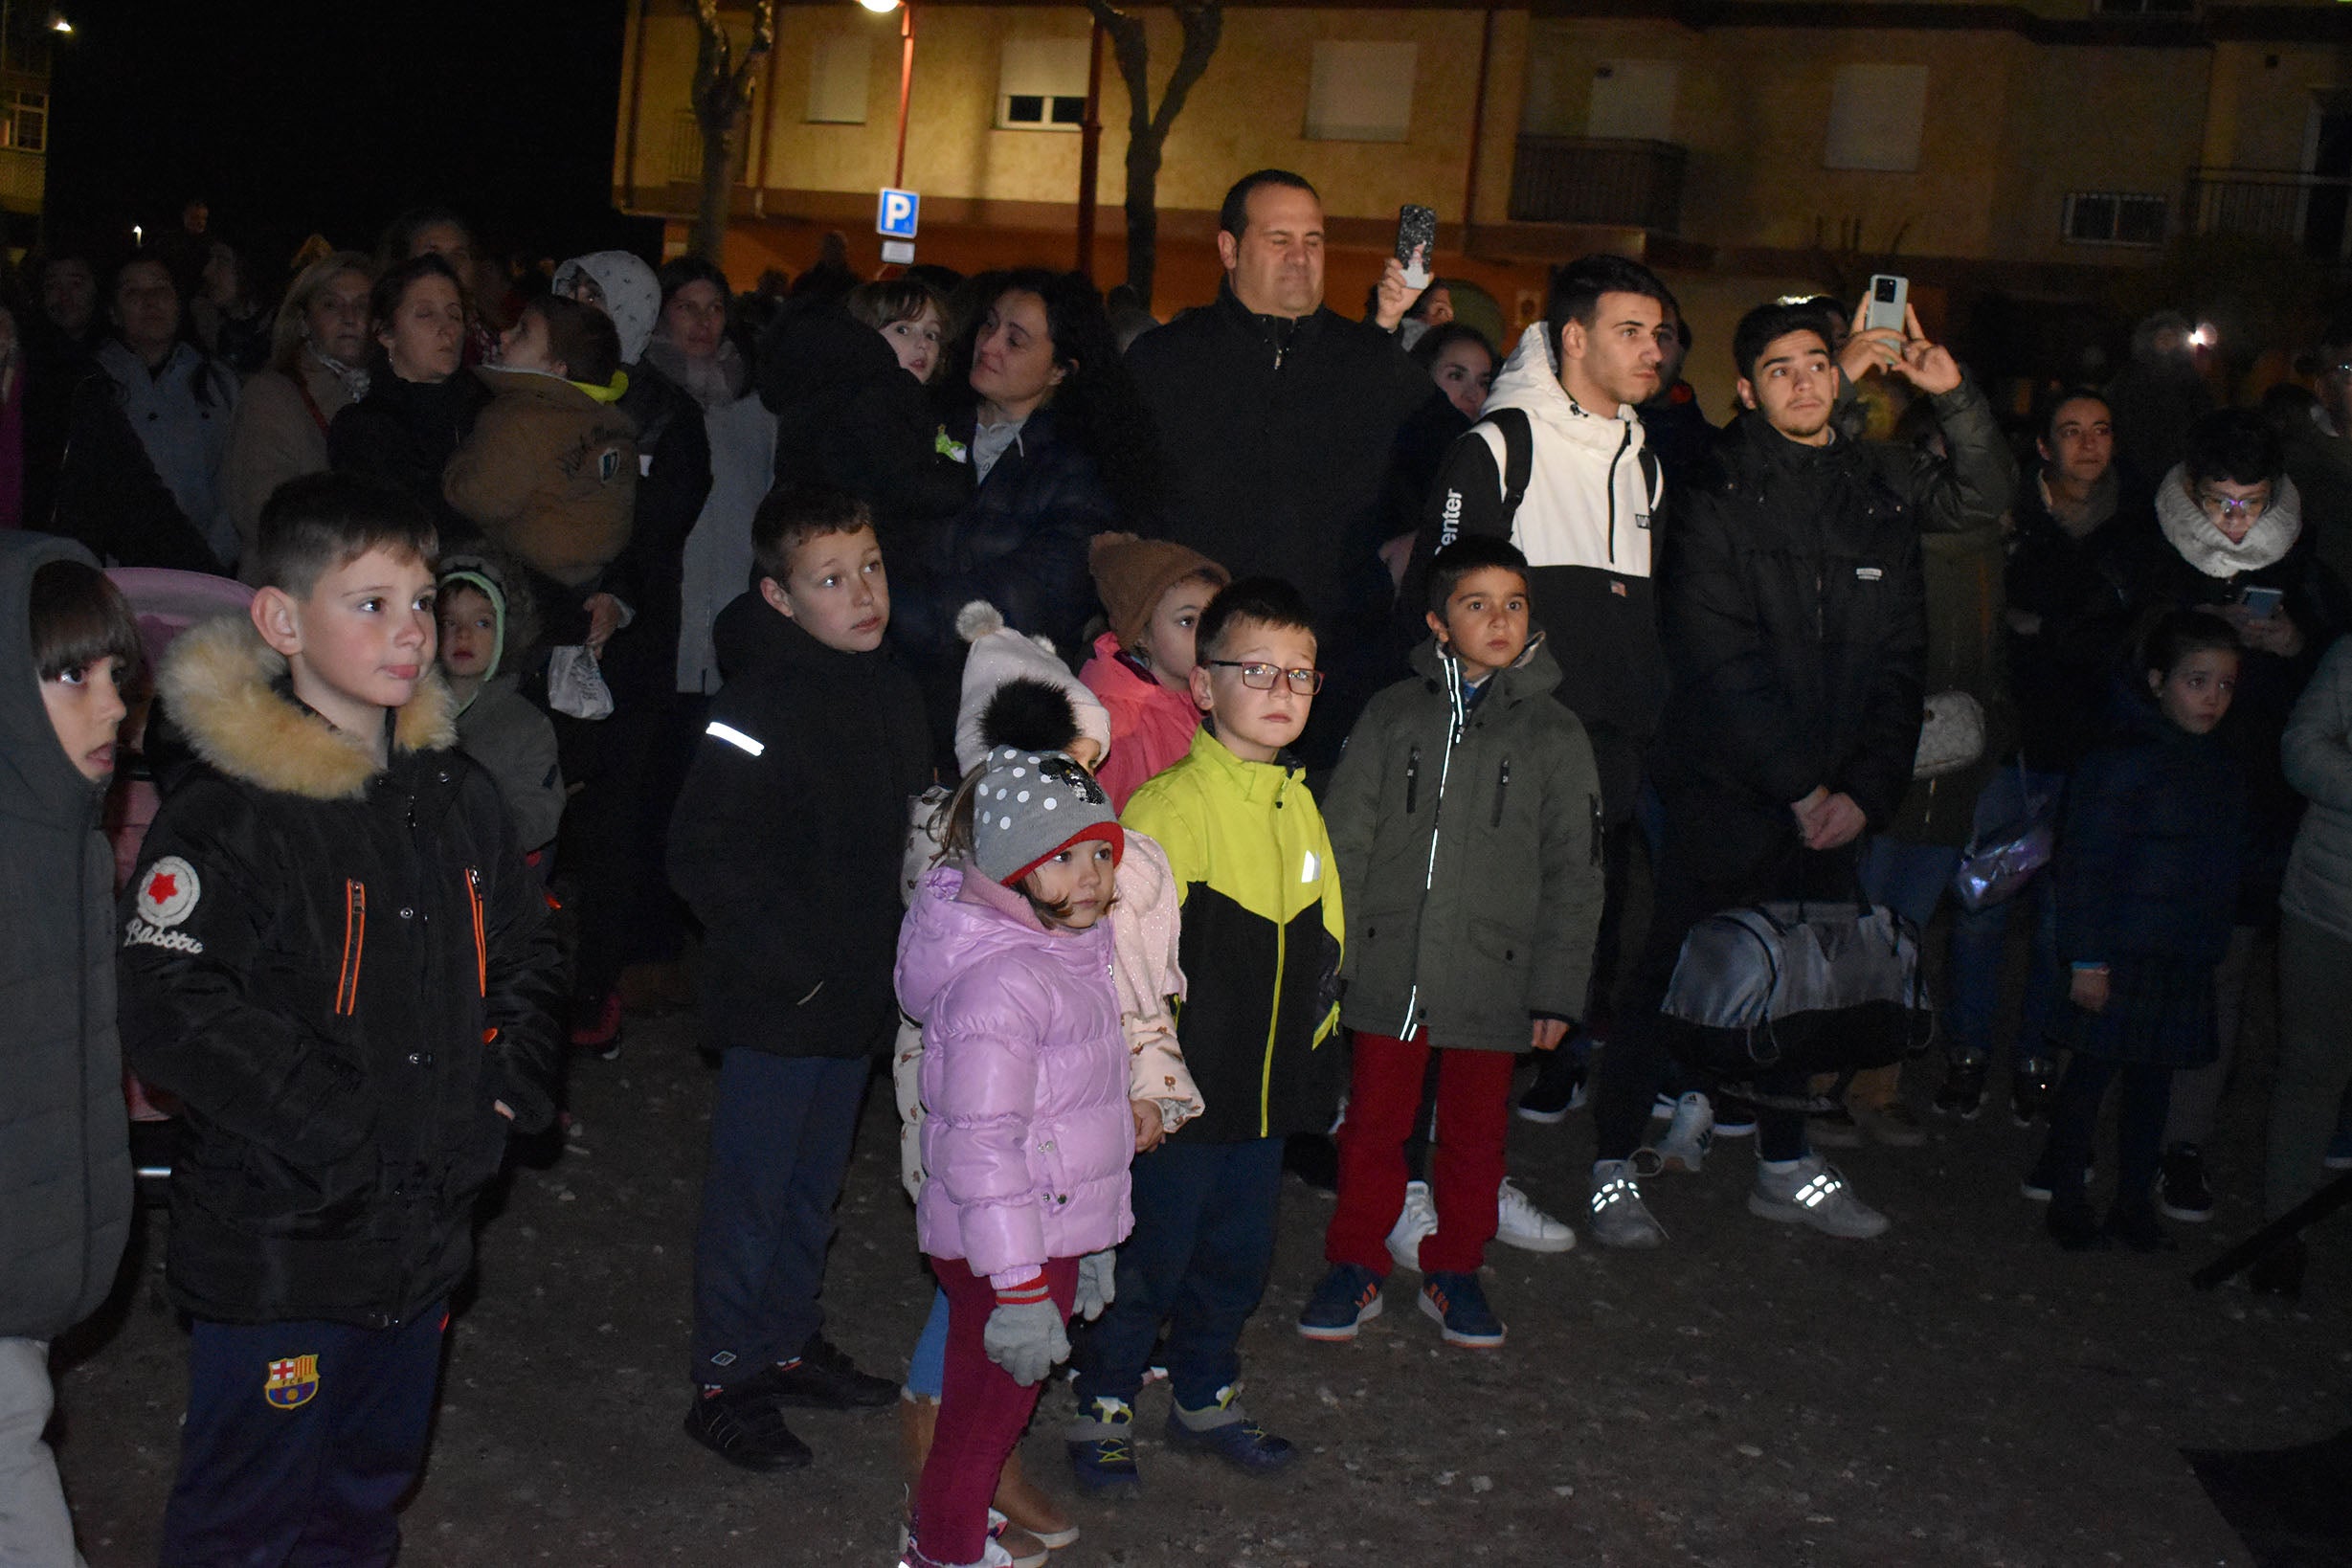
[(1465, 820)]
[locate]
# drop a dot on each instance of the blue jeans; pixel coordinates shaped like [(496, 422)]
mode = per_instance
[(302, 1437), (926, 1367), (780, 1131), (1197, 1260)]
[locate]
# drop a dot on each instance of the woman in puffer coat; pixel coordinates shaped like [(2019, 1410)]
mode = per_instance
[(1005, 960)]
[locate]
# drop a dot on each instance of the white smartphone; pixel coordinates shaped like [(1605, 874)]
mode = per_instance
[(1890, 295)]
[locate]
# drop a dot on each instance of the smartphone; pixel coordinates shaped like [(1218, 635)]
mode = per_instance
[(1417, 227), (2261, 603), (1890, 295)]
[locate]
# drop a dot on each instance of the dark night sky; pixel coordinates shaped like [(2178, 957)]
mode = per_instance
[(333, 116)]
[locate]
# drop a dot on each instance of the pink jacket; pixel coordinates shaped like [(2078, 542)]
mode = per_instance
[(1151, 727), (1027, 1134)]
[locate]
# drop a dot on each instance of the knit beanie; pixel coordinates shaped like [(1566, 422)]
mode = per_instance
[(1029, 806), (1131, 573), (999, 654)]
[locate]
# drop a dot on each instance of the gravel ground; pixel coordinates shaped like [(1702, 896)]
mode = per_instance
[(1957, 1392)]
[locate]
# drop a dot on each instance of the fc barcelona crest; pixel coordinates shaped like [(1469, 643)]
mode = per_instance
[(291, 1381)]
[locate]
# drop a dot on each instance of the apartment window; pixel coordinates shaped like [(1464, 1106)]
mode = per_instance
[(839, 68), (1632, 98), (1041, 85), (2105, 218), (24, 119), (1876, 113), (686, 148), (1361, 92)]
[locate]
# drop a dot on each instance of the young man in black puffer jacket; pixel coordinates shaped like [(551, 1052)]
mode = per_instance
[(333, 954)]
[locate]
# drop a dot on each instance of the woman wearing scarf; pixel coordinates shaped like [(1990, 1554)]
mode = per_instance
[(318, 367), (2229, 539)]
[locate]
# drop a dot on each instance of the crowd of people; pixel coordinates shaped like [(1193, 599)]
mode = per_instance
[(1184, 752)]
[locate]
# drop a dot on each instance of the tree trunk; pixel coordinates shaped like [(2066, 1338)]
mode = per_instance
[(1147, 127), (724, 86)]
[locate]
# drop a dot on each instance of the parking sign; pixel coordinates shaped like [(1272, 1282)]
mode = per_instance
[(896, 214)]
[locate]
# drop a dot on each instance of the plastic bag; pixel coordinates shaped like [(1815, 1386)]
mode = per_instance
[(575, 686)]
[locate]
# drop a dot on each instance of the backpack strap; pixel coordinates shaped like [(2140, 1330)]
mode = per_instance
[(1519, 457)]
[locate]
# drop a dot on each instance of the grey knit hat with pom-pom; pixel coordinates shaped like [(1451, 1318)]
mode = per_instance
[(1029, 806)]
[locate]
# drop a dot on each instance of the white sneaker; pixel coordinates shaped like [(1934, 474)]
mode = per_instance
[(1688, 1137), (1814, 1194), (1416, 1220), (991, 1556), (1617, 1216), (1519, 1223)]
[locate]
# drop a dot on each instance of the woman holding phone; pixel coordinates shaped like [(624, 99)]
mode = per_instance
[(2230, 541)]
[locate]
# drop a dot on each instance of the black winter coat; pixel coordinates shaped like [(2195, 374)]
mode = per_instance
[(850, 418), (340, 970), (2150, 855), (65, 1180), (788, 837), (1020, 543), (108, 495), (1276, 439), (1793, 609), (674, 449), (2070, 593), (404, 433), (2157, 578)]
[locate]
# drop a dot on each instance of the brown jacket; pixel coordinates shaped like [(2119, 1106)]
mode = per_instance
[(550, 473), (276, 436)]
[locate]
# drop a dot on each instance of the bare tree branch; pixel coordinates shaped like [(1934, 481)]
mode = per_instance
[(1202, 22), (724, 84)]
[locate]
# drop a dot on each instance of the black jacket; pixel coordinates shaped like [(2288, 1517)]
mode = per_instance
[(789, 833), (339, 970), (1020, 543), (2150, 858), (850, 418), (2070, 619), (405, 433), (1793, 610), (674, 482), (1276, 439), (65, 1182), (108, 495)]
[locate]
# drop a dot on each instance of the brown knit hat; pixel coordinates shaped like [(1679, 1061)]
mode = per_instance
[(1131, 573)]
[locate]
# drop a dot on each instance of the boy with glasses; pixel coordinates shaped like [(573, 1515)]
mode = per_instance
[(1261, 944)]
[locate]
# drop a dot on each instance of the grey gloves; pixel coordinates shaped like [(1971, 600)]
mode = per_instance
[(1095, 1288), (1025, 1338)]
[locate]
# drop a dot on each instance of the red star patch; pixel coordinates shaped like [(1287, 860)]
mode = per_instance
[(163, 885)]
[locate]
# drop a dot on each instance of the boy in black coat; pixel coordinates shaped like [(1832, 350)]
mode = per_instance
[(333, 954), (786, 845)]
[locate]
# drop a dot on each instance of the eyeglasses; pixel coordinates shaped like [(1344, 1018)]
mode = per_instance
[(1261, 676), (2234, 505)]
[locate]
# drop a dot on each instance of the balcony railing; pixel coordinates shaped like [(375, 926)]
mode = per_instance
[(1601, 180), (2310, 210)]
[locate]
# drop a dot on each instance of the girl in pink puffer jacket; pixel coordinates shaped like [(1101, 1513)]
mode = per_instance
[(1005, 960)]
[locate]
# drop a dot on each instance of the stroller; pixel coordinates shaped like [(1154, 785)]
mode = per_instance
[(165, 603)]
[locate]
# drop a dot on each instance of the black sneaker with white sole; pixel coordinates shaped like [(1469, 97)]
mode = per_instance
[(1963, 1094), (1558, 1088), (2182, 1192)]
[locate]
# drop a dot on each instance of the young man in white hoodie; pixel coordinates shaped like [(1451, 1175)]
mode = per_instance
[(1559, 465)]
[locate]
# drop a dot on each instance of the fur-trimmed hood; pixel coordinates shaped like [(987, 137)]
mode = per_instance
[(219, 685)]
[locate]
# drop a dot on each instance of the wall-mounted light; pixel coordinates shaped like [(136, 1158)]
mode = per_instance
[(57, 22)]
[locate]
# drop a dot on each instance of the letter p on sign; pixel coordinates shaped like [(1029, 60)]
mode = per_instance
[(896, 214)]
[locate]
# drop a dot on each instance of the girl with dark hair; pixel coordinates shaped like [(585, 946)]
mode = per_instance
[(1045, 417), (421, 404), (2148, 883)]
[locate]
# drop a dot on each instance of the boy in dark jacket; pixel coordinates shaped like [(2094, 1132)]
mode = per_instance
[(66, 639), (332, 955), (786, 845), (1260, 943), (1465, 822)]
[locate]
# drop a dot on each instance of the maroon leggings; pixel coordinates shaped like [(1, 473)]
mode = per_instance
[(982, 1413), (1466, 1163)]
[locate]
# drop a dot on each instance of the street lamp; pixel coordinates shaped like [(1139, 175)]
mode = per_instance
[(906, 75)]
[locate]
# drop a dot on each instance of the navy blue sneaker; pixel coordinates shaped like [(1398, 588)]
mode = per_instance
[(1102, 1446), (1460, 1307), (1348, 1298), (1237, 1438)]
